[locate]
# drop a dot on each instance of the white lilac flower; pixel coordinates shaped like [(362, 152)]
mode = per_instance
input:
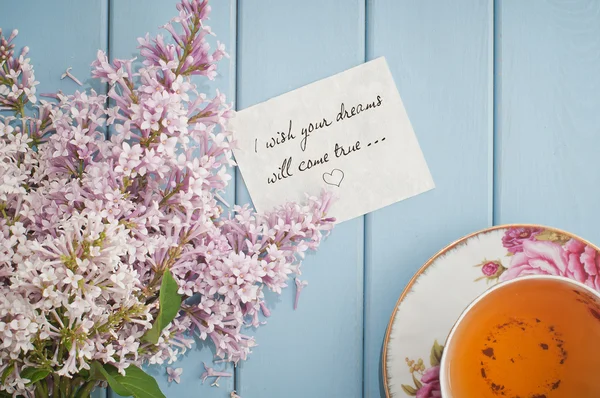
[(89, 226), (300, 285), (174, 374)]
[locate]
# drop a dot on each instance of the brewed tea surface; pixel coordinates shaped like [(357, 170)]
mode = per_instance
[(531, 338)]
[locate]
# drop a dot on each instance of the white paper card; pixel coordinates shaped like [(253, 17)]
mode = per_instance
[(348, 133)]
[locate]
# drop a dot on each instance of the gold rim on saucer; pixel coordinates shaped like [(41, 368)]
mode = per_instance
[(431, 260)]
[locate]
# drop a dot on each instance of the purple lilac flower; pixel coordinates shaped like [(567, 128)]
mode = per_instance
[(89, 226), (174, 375)]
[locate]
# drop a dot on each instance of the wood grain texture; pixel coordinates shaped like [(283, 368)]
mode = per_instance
[(132, 19), (440, 54), (315, 351), (55, 46), (547, 131), (548, 125)]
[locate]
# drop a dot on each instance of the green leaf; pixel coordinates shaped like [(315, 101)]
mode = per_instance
[(9, 369), (409, 390), (34, 375), (169, 305), (97, 372), (85, 374), (141, 384), (136, 383), (418, 384), (436, 354)]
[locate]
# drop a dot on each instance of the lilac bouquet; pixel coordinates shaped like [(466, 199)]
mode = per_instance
[(115, 253)]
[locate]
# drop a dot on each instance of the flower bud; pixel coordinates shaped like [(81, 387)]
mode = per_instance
[(14, 33)]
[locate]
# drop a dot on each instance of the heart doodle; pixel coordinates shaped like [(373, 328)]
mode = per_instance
[(334, 178)]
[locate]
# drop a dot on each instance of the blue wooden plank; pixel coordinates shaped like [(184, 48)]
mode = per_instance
[(440, 54), (54, 47), (315, 351), (128, 21), (59, 34), (548, 127)]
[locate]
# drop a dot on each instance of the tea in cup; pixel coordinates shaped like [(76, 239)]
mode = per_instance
[(531, 337)]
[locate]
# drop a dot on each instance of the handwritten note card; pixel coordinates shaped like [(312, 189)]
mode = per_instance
[(348, 133)]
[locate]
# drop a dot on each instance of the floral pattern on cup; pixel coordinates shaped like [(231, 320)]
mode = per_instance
[(530, 250), (515, 237), (491, 270), (426, 380), (551, 253)]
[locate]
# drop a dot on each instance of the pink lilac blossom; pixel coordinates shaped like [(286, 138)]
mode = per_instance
[(70, 76), (174, 374), (300, 285), (17, 80), (210, 372), (89, 226)]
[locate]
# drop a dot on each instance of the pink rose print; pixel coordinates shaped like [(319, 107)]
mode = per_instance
[(426, 380), (514, 237), (431, 384), (574, 260), (583, 263), (490, 268), (537, 257)]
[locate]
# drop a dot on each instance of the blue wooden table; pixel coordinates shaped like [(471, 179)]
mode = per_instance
[(504, 97)]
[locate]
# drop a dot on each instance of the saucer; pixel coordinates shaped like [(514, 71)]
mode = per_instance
[(439, 292)]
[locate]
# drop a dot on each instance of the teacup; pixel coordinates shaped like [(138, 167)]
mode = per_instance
[(531, 337)]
